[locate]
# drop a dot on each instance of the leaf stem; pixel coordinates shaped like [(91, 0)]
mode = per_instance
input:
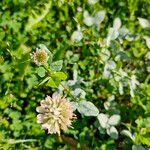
[(65, 88), (68, 92), (12, 141)]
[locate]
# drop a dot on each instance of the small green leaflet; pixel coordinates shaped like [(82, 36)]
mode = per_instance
[(59, 76), (52, 83), (112, 132), (41, 72), (57, 65), (87, 108), (56, 78)]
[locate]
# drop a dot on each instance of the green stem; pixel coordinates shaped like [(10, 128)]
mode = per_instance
[(12, 141), (65, 88), (48, 70), (68, 92)]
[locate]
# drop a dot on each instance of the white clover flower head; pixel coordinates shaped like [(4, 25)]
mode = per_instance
[(40, 57), (77, 36), (55, 114)]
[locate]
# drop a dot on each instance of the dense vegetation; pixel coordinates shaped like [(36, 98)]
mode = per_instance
[(99, 59)]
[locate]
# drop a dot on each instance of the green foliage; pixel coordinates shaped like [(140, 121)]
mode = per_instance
[(57, 66), (98, 58), (87, 109), (41, 72), (35, 18)]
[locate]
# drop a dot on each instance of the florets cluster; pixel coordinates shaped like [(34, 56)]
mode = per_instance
[(55, 114), (40, 57)]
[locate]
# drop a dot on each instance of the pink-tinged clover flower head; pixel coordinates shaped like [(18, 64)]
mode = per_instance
[(40, 57), (55, 114)]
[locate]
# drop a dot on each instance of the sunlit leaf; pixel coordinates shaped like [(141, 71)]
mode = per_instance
[(59, 76), (41, 72), (87, 108), (114, 120), (144, 22), (57, 65), (36, 18), (138, 147), (103, 120), (117, 23), (147, 39), (112, 132)]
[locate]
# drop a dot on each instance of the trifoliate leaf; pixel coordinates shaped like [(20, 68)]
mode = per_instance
[(87, 108), (144, 23)]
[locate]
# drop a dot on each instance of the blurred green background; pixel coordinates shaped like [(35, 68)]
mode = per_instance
[(24, 24)]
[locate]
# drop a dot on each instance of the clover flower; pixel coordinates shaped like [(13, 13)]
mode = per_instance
[(40, 57), (55, 114)]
